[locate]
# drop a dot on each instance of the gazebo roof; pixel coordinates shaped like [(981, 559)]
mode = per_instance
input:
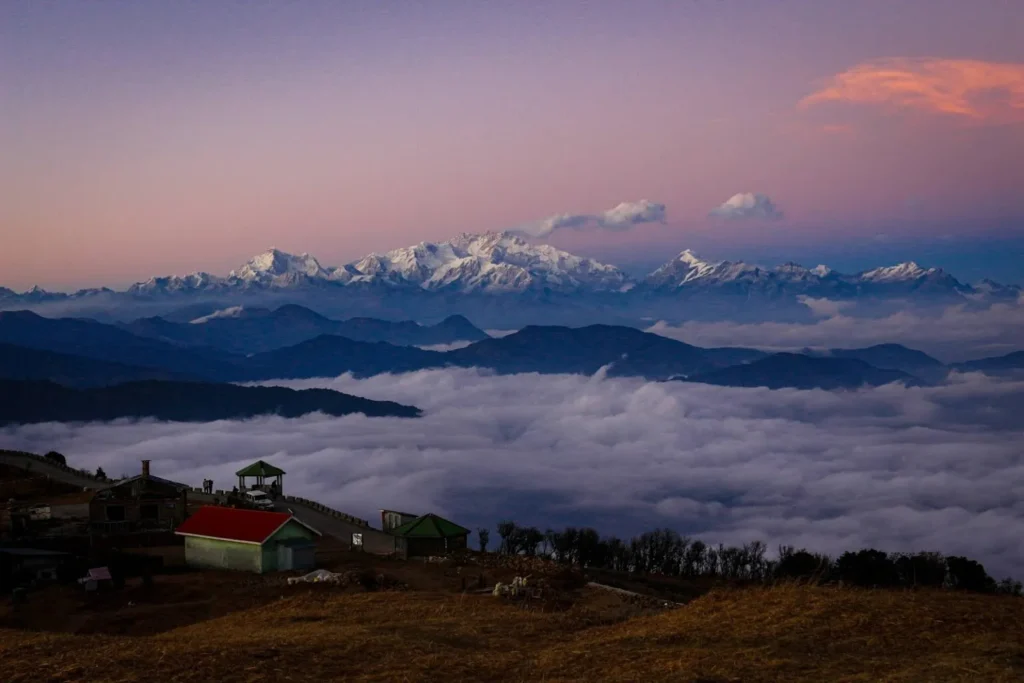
[(430, 526), (259, 469)]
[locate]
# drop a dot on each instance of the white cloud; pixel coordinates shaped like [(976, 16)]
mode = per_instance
[(954, 333), (898, 468), (747, 205), (498, 334), (825, 308), (452, 346), (627, 214), (619, 218)]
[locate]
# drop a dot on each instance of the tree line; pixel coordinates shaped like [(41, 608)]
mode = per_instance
[(666, 552)]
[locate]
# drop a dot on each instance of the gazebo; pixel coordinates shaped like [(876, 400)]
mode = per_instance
[(260, 471)]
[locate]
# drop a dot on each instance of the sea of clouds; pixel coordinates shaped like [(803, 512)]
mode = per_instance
[(951, 333), (937, 468)]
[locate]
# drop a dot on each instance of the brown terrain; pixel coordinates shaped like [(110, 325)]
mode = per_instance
[(431, 621), (416, 620)]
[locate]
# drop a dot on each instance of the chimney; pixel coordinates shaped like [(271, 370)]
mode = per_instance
[(145, 468)]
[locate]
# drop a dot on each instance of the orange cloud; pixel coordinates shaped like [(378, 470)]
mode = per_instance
[(984, 92)]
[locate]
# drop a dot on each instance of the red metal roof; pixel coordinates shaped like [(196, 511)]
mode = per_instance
[(233, 524)]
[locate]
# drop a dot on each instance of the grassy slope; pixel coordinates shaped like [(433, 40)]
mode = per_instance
[(787, 633)]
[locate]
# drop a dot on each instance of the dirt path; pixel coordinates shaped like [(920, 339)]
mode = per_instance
[(622, 591)]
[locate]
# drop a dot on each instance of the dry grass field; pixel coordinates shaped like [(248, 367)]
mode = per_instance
[(322, 633)]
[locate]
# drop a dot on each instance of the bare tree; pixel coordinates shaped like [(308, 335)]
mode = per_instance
[(506, 529), (484, 537)]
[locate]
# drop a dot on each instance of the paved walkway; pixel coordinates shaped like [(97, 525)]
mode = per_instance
[(374, 540), (668, 603)]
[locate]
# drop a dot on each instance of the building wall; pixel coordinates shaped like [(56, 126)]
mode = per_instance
[(375, 541), (170, 504), (419, 547), (71, 511), (391, 519), (302, 557), (290, 530), (220, 554), (170, 511)]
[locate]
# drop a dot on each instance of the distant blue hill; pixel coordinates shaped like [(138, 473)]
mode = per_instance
[(797, 371), (82, 352), (257, 330), (996, 364), (24, 402)]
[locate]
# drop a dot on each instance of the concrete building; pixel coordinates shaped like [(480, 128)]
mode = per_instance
[(247, 540), (392, 519), (141, 503)]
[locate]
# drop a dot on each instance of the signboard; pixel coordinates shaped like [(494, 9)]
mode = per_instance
[(357, 539)]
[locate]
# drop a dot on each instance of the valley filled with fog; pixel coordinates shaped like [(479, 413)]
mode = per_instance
[(726, 400), (893, 467)]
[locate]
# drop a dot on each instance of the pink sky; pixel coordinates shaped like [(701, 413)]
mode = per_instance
[(143, 140)]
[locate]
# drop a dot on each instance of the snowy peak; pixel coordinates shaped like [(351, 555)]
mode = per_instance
[(691, 259), (490, 262), (274, 263), (505, 262), (176, 284), (688, 269), (901, 272), (911, 277)]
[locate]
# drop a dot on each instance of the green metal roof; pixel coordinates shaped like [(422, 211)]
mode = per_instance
[(259, 469), (429, 526)]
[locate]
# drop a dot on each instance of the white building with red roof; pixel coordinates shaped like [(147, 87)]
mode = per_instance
[(247, 540)]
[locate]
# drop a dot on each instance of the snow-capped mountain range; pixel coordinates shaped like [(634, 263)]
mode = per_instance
[(504, 263)]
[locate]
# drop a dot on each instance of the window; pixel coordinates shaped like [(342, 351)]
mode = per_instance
[(115, 513), (149, 511)]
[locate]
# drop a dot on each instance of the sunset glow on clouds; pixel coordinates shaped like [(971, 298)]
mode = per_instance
[(983, 92)]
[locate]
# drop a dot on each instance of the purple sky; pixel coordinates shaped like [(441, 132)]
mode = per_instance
[(148, 138)]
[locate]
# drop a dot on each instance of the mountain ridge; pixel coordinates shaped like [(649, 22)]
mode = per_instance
[(88, 353), (798, 371), (499, 263), (27, 402), (247, 330), (114, 350)]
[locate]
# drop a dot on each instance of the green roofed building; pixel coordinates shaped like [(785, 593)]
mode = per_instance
[(430, 535), (261, 471)]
